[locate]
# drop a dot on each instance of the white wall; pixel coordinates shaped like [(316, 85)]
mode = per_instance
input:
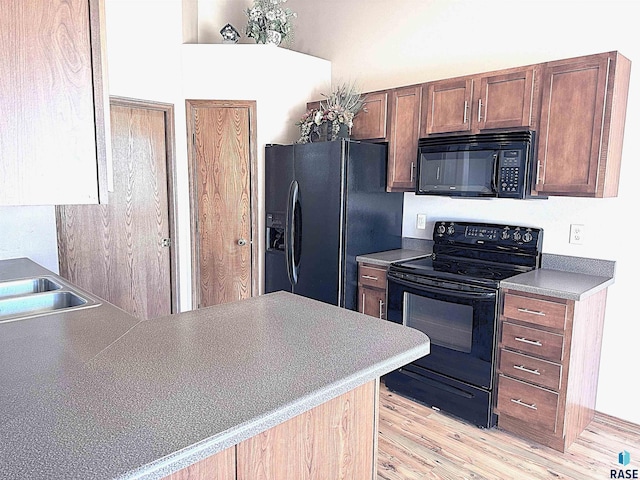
[(382, 44), (147, 60), (29, 232)]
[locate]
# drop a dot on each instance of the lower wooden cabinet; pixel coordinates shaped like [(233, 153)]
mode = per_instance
[(549, 357), (372, 290)]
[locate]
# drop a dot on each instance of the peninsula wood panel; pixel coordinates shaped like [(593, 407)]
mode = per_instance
[(220, 466), (54, 114), (221, 189), (334, 440)]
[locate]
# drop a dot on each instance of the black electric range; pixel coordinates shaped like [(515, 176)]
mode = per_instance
[(453, 297)]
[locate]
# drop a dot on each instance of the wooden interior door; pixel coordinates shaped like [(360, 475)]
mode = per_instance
[(122, 251), (221, 160)]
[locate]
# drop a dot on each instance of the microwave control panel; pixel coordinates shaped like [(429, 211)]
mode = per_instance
[(510, 174)]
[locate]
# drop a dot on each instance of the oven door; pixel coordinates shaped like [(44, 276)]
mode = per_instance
[(459, 319)]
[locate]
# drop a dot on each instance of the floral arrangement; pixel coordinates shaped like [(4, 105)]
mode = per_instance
[(268, 22), (336, 112)]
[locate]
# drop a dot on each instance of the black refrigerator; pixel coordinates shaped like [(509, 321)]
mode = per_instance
[(325, 204)]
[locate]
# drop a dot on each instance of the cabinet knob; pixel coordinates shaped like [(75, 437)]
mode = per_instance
[(242, 242)]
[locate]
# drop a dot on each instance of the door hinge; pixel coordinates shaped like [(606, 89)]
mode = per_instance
[(166, 242)]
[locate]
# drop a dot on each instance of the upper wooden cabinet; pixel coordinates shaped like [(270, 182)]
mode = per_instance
[(403, 140), (371, 122), (53, 142), (584, 102), (445, 106), (502, 99), (577, 107), (505, 100)]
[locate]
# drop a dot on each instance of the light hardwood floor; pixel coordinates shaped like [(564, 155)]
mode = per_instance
[(416, 442)]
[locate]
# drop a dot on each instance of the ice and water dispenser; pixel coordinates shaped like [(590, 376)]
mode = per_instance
[(275, 231)]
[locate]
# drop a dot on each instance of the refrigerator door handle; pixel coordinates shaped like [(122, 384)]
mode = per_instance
[(292, 233)]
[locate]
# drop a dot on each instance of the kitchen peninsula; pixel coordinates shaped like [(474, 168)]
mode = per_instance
[(252, 389)]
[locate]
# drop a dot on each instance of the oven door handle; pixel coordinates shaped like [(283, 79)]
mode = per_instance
[(431, 288)]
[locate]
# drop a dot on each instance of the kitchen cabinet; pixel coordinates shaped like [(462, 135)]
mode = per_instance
[(549, 356), (501, 99), (372, 290), (445, 106), (582, 118), (403, 139), (371, 122), (54, 139)]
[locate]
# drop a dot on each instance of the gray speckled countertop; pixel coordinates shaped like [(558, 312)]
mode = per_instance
[(557, 283), (95, 394), (386, 258), (564, 276)]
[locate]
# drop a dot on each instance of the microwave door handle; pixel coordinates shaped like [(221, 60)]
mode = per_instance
[(494, 176)]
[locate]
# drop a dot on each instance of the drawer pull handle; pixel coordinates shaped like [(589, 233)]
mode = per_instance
[(529, 342), (532, 312), (525, 369), (370, 277), (528, 405)]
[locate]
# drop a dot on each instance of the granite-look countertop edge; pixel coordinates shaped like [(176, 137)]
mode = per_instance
[(386, 258), (557, 283), (208, 447)]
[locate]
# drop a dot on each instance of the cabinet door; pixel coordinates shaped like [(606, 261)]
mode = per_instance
[(445, 106), (372, 123), (582, 120), (403, 142), (53, 140), (504, 101), (372, 301)]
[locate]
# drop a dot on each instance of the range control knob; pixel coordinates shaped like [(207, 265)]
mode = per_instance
[(517, 235), (450, 230), (505, 234), (527, 237), (441, 229)]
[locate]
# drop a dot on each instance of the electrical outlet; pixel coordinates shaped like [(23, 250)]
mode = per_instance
[(421, 221), (576, 235)]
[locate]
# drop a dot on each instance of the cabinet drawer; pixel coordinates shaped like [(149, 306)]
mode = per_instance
[(372, 276), (534, 405), (535, 311), (536, 342), (530, 369)]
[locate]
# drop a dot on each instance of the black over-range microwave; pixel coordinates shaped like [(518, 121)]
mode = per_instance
[(483, 165)]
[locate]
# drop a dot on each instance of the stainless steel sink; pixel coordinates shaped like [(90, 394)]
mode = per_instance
[(36, 296), (27, 285)]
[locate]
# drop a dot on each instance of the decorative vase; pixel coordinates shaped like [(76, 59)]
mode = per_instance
[(320, 133), (343, 132), (273, 38)]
